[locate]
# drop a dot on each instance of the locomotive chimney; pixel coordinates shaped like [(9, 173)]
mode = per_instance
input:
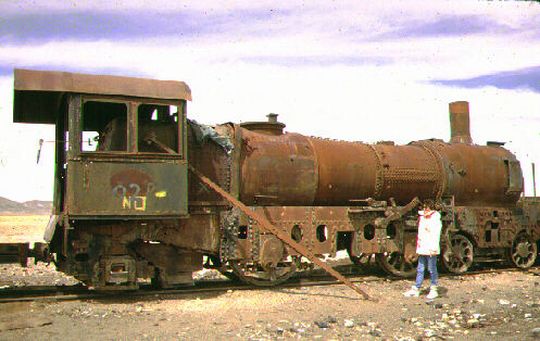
[(272, 118), (270, 127), (459, 122)]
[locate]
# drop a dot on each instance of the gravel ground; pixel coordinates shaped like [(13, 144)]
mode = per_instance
[(496, 306)]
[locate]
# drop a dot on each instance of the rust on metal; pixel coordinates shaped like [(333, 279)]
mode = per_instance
[(481, 175), (271, 127), (398, 213), (263, 222), (38, 93), (533, 179), (31, 80), (459, 122), (291, 169)]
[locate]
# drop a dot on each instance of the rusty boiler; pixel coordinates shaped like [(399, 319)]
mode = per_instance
[(278, 168)]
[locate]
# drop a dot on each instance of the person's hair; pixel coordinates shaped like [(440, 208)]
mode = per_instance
[(428, 203)]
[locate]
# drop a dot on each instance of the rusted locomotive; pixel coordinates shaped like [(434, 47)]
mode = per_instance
[(130, 201)]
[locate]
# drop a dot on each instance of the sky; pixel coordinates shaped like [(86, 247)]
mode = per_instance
[(349, 70)]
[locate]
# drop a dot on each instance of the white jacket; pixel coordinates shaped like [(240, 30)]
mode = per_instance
[(429, 233)]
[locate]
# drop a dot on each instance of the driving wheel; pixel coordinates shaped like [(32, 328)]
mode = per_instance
[(256, 274), (394, 263), (362, 260), (523, 252), (458, 257)]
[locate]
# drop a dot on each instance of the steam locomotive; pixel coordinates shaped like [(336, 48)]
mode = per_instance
[(128, 203)]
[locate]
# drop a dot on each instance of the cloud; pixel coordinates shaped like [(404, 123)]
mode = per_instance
[(318, 60), (7, 70), (23, 28), (526, 78), (447, 26)]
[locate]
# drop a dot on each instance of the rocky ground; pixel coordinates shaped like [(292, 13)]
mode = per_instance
[(496, 306)]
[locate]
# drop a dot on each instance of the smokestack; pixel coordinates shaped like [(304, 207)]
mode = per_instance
[(459, 122), (272, 118), (270, 127)]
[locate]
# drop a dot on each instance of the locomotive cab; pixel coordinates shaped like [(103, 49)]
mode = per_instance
[(125, 158), (118, 139), (121, 159)]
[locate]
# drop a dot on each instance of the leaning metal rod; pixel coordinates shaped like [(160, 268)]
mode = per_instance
[(534, 179), (266, 225)]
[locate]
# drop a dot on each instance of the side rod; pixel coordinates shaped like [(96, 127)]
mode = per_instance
[(266, 225)]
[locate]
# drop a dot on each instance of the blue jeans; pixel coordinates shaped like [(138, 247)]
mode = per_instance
[(431, 263)]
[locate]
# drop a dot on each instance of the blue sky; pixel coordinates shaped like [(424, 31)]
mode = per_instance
[(363, 71), (525, 79)]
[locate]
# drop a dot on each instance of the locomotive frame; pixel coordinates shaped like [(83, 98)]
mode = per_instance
[(130, 209)]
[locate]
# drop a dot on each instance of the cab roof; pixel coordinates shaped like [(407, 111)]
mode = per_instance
[(38, 94)]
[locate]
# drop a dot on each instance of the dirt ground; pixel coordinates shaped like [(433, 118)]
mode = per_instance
[(22, 228), (495, 306)]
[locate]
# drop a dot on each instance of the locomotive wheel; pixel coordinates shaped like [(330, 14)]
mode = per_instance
[(256, 275), (523, 252), (231, 275), (213, 262), (395, 264), (459, 258), (362, 260)]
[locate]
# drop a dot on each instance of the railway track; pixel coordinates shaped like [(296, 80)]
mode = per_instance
[(79, 292)]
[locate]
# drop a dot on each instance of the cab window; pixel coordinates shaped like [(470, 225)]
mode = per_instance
[(104, 126), (157, 128)]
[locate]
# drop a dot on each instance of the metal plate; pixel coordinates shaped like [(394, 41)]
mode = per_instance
[(142, 188), (37, 93)]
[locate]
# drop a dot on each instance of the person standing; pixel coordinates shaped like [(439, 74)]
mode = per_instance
[(427, 248)]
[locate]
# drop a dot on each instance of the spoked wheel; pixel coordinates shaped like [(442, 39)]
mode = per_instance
[(255, 274), (394, 263), (523, 252), (459, 257)]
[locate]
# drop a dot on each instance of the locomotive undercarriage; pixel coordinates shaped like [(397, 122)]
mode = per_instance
[(488, 234), (469, 236), (113, 254), (261, 259), (117, 254)]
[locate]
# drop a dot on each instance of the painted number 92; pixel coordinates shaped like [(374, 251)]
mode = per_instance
[(131, 200)]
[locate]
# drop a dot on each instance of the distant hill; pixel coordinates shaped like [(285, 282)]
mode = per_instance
[(28, 207)]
